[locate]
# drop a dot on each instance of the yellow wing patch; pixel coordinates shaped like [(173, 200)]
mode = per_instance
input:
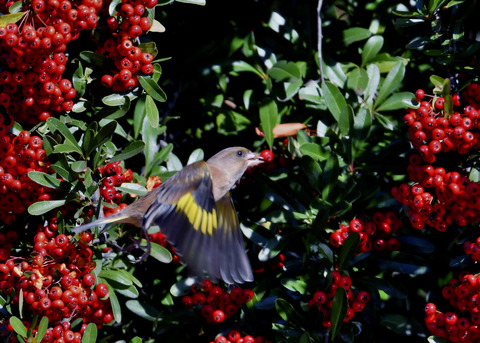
[(196, 215)]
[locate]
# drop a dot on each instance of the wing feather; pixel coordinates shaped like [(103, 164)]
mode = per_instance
[(204, 234)]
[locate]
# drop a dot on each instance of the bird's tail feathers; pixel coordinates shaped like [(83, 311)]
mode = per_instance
[(101, 221)]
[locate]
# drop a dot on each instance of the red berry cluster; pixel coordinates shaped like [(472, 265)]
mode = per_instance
[(376, 233), (462, 325), (216, 305), (471, 95), (129, 60), (234, 336), (473, 249), (57, 283), (32, 87), (438, 198), (113, 176), (322, 300), (432, 130), (20, 155)]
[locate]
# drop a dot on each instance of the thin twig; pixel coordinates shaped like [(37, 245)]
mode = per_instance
[(319, 38)]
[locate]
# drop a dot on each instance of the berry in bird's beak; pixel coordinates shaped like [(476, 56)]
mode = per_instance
[(253, 159)]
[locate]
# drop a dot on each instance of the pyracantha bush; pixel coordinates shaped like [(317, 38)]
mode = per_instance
[(322, 299), (235, 336), (20, 155), (57, 282), (462, 324), (375, 233), (215, 304)]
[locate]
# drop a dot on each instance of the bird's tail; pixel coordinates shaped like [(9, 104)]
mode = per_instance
[(114, 218)]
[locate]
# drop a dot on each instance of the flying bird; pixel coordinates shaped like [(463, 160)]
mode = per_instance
[(195, 212)]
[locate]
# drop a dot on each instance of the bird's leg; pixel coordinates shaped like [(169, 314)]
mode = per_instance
[(137, 245)]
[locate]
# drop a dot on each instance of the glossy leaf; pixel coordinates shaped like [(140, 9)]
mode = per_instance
[(160, 253), (397, 101), (18, 326), (284, 70), (13, 17), (355, 34), (115, 276), (336, 103), (42, 207), (152, 112), (371, 48), (349, 248), (44, 179), (339, 311), (268, 119), (90, 334), (42, 329), (131, 150), (152, 88), (391, 83), (145, 311)]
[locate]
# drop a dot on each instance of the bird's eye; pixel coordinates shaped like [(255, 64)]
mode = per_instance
[(239, 153)]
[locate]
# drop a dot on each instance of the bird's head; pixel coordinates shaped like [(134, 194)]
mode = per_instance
[(228, 166), (237, 158)]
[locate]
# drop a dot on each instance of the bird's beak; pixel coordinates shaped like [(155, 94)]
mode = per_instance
[(254, 159)]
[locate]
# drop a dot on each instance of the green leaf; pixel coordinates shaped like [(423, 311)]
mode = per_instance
[(136, 340), (152, 112), (90, 334), (132, 149), (358, 80), (152, 88), (18, 326), (335, 73), (112, 7), (6, 19), (114, 100), (391, 83), (295, 285), (314, 150), (79, 166), (133, 188), (79, 81), (339, 310), (396, 101), (139, 115), (42, 207), (106, 132), (371, 48), (44, 179), (42, 329), (349, 248), (194, 2), (268, 119), (288, 312), (373, 81), (121, 111), (93, 58), (242, 66), (70, 142), (355, 34), (160, 253), (337, 105), (16, 7), (115, 304), (145, 311), (283, 70), (115, 276)]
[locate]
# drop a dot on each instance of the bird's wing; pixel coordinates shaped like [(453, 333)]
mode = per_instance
[(204, 234)]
